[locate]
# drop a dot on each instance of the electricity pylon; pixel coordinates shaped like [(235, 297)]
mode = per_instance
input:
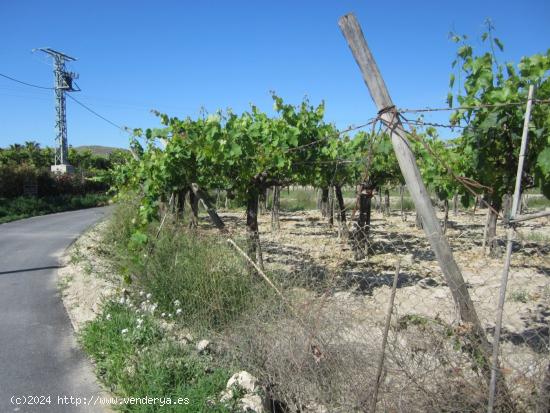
[(63, 84)]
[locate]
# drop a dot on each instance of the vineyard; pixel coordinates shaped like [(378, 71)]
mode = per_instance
[(358, 269)]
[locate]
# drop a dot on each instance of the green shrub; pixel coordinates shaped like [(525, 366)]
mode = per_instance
[(202, 272), (134, 358), (24, 207), (14, 178)]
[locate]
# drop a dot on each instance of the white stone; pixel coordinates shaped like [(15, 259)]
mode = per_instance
[(243, 380), (203, 346), (252, 403), (226, 395), (315, 407)]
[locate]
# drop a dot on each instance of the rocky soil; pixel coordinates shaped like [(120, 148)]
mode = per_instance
[(306, 247)]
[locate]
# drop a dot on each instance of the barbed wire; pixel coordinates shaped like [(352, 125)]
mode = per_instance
[(472, 107), (418, 122)]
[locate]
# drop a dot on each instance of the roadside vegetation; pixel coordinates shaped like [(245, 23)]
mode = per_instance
[(134, 357), (12, 209), (146, 341), (28, 188)]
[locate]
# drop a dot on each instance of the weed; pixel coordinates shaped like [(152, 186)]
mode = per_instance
[(537, 236), (199, 271), (411, 320), (63, 283), (520, 296), (538, 202), (135, 359), (76, 255)]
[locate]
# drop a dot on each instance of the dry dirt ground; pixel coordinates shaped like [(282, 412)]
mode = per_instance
[(307, 245), (86, 279)]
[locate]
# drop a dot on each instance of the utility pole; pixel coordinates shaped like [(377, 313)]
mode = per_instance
[(63, 84)]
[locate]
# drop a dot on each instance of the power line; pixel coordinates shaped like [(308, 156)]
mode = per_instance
[(69, 96), (97, 114), (25, 83)]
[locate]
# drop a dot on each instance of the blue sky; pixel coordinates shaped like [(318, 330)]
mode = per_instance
[(179, 56)]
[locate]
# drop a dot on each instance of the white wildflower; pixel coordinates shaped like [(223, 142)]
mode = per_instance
[(178, 311), (170, 315), (124, 331), (148, 296), (163, 314), (122, 300), (141, 293), (108, 317), (177, 303)]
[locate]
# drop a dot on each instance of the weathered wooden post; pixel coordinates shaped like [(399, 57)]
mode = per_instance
[(401, 190), (203, 196), (407, 163), (275, 206), (508, 257)]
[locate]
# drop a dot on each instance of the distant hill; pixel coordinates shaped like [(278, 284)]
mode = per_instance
[(99, 150)]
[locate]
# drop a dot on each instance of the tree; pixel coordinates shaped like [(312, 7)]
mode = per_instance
[(379, 167), (242, 154), (493, 95)]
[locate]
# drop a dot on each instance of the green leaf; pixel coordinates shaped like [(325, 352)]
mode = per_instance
[(543, 162), (451, 80), (455, 38), (498, 43), (465, 51), (235, 150), (138, 238)]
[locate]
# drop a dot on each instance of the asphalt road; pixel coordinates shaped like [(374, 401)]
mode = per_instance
[(39, 355)]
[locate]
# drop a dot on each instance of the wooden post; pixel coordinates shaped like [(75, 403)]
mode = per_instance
[(455, 204), (508, 257), (216, 220), (485, 230), (521, 218), (330, 206), (522, 152), (407, 163), (401, 190), (385, 338), (275, 206)]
